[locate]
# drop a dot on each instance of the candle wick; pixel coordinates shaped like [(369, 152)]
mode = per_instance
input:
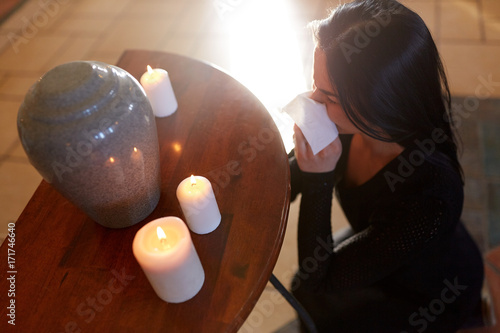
[(164, 244)]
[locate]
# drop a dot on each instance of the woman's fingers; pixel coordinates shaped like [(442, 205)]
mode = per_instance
[(299, 140), (302, 147), (323, 161)]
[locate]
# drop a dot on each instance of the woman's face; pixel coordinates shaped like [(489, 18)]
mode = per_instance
[(323, 92)]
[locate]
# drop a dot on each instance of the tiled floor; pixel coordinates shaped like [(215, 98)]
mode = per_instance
[(264, 44)]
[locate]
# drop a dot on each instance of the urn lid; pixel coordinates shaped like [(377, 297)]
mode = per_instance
[(72, 91)]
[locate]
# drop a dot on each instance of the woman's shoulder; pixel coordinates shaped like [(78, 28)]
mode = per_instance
[(427, 192), (421, 172)]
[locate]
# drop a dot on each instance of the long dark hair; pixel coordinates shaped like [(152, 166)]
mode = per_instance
[(387, 72)]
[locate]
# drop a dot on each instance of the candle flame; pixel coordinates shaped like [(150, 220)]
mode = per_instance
[(150, 70), (135, 149), (112, 160), (161, 234), (193, 180)]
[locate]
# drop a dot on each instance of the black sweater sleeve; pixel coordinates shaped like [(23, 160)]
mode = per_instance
[(315, 243)]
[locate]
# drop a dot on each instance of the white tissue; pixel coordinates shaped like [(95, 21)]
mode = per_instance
[(312, 119)]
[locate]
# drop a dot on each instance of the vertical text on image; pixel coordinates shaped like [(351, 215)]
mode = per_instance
[(11, 273)]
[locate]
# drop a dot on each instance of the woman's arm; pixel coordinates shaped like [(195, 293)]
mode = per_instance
[(397, 230)]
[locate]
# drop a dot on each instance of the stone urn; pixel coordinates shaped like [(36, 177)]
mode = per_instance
[(89, 130)]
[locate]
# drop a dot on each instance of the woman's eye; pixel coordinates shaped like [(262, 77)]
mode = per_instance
[(333, 101)]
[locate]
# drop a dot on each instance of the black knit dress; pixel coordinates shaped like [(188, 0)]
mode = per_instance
[(408, 264)]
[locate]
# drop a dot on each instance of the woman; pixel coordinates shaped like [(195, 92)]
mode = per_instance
[(407, 264)]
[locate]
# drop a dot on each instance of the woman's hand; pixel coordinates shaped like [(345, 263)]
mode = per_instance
[(325, 161)]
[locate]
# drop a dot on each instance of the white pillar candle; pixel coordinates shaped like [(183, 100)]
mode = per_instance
[(197, 200), (167, 256), (159, 90)]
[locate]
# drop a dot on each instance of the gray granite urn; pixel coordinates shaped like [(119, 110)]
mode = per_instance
[(89, 129)]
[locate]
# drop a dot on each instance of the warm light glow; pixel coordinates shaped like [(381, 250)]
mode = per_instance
[(193, 180), (265, 53), (135, 149), (112, 160), (161, 234), (266, 56), (177, 146), (150, 70)]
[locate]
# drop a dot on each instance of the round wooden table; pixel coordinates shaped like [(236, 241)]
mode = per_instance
[(73, 275)]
